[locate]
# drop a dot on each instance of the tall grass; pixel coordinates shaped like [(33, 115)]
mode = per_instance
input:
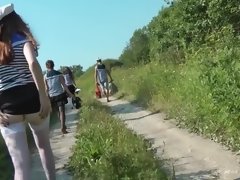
[(183, 92), (106, 149)]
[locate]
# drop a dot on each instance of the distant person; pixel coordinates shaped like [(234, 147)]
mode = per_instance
[(22, 96), (69, 80), (56, 89), (101, 77)]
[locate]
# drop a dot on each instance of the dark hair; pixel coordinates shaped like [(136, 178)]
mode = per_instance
[(50, 64), (67, 70), (10, 25), (99, 60)]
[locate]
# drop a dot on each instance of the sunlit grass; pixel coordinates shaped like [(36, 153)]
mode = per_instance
[(106, 149)]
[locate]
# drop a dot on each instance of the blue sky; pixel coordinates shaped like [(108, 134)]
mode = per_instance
[(79, 31)]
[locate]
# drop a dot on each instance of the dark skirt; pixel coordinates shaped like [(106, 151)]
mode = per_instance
[(59, 100), (20, 100)]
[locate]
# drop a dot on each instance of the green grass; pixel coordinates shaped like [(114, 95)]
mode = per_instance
[(182, 93), (106, 149)]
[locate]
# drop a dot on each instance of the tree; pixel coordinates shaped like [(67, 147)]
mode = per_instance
[(137, 51), (76, 69)]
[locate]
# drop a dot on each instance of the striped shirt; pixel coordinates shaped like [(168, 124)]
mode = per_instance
[(17, 72)]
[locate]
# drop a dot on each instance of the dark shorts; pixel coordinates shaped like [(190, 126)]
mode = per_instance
[(72, 89), (20, 100), (59, 100)]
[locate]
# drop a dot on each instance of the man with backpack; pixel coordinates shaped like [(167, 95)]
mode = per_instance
[(101, 78)]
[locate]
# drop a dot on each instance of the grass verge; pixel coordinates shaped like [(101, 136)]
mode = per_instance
[(180, 92), (106, 149)]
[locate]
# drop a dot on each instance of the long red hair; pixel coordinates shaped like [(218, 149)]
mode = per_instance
[(10, 25)]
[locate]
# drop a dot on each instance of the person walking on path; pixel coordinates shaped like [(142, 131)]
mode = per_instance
[(22, 96), (101, 78), (69, 80), (56, 89)]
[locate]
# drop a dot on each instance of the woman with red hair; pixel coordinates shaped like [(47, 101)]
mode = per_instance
[(22, 95)]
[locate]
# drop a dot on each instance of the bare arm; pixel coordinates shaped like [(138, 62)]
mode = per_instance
[(46, 86), (62, 80), (37, 75), (34, 67), (95, 75)]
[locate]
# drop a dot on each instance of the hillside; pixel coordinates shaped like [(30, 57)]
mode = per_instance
[(185, 62)]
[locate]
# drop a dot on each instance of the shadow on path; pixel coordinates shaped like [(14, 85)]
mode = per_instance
[(137, 118)]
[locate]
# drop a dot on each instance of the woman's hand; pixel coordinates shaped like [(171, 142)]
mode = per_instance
[(4, 119), (45, 106), (36, 71)]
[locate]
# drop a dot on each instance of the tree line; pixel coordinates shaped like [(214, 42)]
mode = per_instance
[(195, 46), (182, 26)]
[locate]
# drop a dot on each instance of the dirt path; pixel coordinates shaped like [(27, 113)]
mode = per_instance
[(61, 146), (193, 157)]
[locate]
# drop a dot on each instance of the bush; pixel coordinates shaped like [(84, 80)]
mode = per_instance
[(202, 94), (105, 149)]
